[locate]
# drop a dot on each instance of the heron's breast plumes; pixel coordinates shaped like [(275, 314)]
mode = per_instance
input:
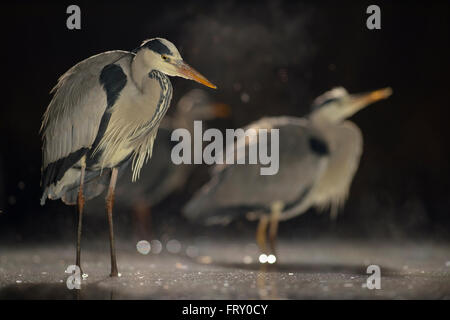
[(134, 122)]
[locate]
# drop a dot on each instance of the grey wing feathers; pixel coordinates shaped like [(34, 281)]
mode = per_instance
[(242, 186), (356, 146), (347, 145), (263, 123), (73, 116)]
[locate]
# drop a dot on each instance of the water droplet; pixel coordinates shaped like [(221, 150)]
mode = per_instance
[(173, 246), (245, 97), (247, 260), (271, 259), (143, 247), (191, 251), (156, 246), (263, 258)]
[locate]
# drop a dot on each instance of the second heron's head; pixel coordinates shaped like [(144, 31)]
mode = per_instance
[(198, 105), (162, 55), (337, 104)]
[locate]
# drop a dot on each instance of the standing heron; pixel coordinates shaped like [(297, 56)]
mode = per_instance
[(104, 114), (318, 157), (161, 177)]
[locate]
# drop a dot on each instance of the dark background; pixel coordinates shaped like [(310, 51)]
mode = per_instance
[(283, 55)]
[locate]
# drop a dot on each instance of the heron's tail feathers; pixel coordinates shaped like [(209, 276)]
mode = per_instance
[(67, 188), (94, 185)]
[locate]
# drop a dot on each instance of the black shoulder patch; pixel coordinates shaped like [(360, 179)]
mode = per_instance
[(157, 46), (318, 146), (56, 170), (113, 80)]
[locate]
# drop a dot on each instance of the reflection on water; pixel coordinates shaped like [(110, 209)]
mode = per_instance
[(55, 291), (267, 288)]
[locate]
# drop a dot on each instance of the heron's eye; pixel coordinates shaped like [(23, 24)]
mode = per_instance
[(165, 58)]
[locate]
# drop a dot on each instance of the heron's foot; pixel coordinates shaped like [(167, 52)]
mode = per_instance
[(114, 274), (114, 269), (83, 275)]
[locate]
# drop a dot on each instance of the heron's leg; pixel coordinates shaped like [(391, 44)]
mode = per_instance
[(277, 208), (80, 203), (109, 208), (261, 233)]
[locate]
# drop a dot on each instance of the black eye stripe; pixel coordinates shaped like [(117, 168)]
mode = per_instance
[(325, 102), (329, 100), (157, 46)]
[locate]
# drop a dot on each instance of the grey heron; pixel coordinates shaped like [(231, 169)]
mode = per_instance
[(161, 177), (104, 114), (318, 157)]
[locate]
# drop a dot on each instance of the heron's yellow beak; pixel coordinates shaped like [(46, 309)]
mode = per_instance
[(362, 100), (377, 95), (186, 71)]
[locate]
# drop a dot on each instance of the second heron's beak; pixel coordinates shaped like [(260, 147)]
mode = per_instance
[(368, 98), (186, 71), (360, 101), (379, 95)]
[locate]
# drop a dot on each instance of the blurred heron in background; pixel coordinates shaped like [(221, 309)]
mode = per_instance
[(104, 114), (318, 157), (161, 177)]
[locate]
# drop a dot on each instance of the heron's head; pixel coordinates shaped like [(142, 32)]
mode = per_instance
[(162, 55), (197, 105), (337, 104)]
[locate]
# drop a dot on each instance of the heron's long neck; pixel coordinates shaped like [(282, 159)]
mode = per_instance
[(325, 124), (139, 71), (321, 118)]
